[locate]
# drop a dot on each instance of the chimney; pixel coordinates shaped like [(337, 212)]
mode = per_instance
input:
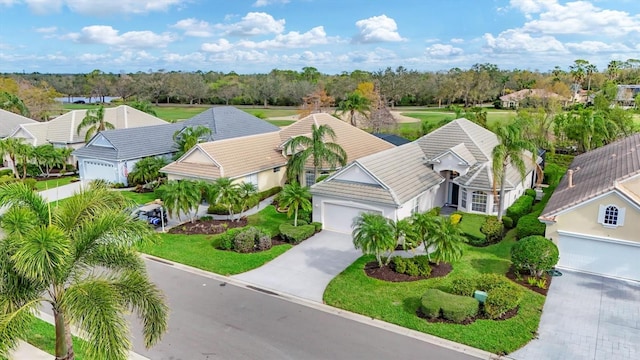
[(570, 174)]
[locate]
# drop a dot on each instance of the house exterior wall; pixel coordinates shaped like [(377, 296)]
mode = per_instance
[(356, 174), (271, 178), (584, 220), (318, 201), (198, 157), (451, 162)]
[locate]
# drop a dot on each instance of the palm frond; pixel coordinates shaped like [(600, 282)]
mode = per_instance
[(42, 254), (19, 193)]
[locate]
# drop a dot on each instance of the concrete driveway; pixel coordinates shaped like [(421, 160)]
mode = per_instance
[(587, 317), (306, 269)]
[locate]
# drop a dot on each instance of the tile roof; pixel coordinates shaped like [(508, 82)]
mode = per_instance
[(9, 122), (228, 122), (392, 138), (478, 140), (596, 172), (63, 129)]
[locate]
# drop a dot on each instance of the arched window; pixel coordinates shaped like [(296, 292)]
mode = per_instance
[(479, 201), (611, 215)]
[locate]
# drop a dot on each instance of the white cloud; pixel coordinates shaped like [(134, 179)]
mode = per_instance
[(254, 23), (8, 2), (218, 46), (293, 39), (46, 30), (592, 47), (529, 7), (261, 3), (90, 7), (377, 29), (517, 41), (194, 27), (457, 40), (107, 35), (379, 55), (93, 57), (443, 50), (191, 58)]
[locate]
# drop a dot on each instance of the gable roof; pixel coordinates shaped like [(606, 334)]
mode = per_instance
[(228, 122), (399, 181), (392, 138), (249, 154), (478, 141), (596, 172), (10, 121), (63, 129), (131, 143)]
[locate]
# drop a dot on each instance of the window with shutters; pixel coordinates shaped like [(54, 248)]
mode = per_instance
[(611, 215)]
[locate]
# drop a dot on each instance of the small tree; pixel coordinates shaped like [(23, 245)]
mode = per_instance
[(94, 122), (180, 196), (247, 191), (355, 103), (188, 137), (147, 170), (225, 192), (295, 197), (447, 239), (404, 234), (373, 233), (535, 254)]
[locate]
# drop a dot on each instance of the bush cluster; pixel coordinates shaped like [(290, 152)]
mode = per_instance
[(530, 192), (436, 303), (520, 207), (492, 229), (507, 222), (535, 254), (530, 225), (414, 266), (222, 209), (30, 183), (296, 234), (502, 294), (225, 240), (244, 240)]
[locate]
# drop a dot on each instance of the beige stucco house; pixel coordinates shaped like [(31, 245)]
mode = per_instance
[(594, 214), (261, 160), (513, 100)]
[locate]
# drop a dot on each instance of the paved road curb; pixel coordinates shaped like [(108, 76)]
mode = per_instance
[(468, 350)]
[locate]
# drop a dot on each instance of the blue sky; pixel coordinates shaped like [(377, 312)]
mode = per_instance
[(255, 36)]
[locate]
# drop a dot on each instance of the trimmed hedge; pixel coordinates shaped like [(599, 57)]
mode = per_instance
[(502, 294), (435, 303), (530, 192), (530, 225), (222, 209), (251, 238), (493, 229), (535, 254), (520, 207), (225, 240), (414, 266), (317, 225), (507, 222), (296, 234)]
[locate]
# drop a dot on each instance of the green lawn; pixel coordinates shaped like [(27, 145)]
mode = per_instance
[(199, 251), (494, 117), (177, 113), (471, 224), (54, 182), (43, 336), (139, 198), (397, 303), (269, 112), (281, 123)]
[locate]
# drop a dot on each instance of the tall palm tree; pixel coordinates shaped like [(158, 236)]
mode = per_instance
[(589, 70), (423, 224), (316, 147), (510, 151), (404, 234), (11, 147), (225, 192), (247, 192), (50, 255), (94, 122), (373, 234), (355, 103), (180, 196), (295, 197), (147, 170), (188, 137), (446, 238)]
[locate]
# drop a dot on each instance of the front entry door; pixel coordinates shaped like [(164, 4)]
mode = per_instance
[(455, 190)]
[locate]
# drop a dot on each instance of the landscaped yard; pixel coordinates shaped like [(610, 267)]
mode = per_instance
[(199, 250), (398, 302), (54, 182), (139, 198), (43, 336)]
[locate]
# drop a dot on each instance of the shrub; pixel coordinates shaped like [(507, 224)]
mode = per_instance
[(225, 241), (436, 303), (553, 173), (488, 282), (399, 264), (31, 183), (321, 177), (5, 179), (317, 225), (412, 269), (206, 218), (69, 168), (530, 225), (534, 254), (530, 192), (434, 211), (520, 208), (464, 286), (118, 185), (6, 172), (493, 229), (269, 192), (507, 222), (455, 218), (244, 241), (296, 234), (414, 266), (502, 299), (264, 242)]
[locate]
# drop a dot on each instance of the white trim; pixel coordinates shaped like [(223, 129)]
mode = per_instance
[(450, 151), (598, 238), (585, 202), (197, 146)]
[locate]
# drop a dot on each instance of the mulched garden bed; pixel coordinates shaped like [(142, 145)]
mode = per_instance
[(508, 315), (511, 274), (386, 273), (207, 227)]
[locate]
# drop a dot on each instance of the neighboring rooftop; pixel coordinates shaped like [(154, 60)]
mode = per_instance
[(10, 121), (228, 122), (392, 139)]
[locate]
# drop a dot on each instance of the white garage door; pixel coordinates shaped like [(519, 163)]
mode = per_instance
[(98, 170), (340, 217), (604, 257)]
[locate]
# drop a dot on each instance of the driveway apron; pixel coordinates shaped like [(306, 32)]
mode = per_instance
[(306, 269), (587, 317)]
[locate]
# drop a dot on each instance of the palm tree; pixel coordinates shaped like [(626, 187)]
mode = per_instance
[(147, 170), (404, 234), (295, 197), (144, 106), (423, 224), (225, 192), (510, 151), (180, 196), (94, 122), (354, 103), (49, 255), (247, 192), (303, 148), (13, 103), (11, 147), (590, 70), (188, 137), (446, 238), (373, 234)]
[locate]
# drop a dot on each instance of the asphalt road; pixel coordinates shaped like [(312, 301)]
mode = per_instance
[(210, 321)]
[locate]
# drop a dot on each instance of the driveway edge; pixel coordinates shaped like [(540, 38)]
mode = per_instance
[(448, 344)]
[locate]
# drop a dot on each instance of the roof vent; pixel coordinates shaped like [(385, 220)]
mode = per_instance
[(570, 175)]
